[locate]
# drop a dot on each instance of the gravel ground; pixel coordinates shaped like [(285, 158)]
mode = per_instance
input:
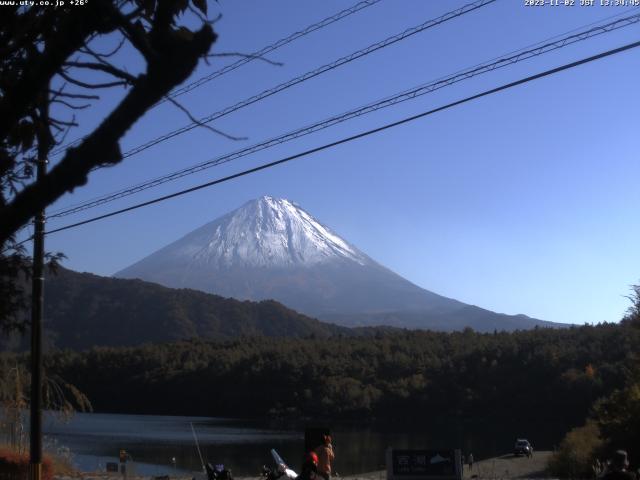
[(510, 466), (504, 467)]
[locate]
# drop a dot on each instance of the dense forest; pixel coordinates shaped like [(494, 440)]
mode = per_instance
[(586, 377), (84, 310), (537, 374)]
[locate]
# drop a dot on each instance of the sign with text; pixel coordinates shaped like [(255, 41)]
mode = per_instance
[(441, 464)]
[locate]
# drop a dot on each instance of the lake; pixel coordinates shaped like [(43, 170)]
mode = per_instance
[(243, 445)]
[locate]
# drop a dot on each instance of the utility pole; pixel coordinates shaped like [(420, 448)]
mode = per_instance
[(37, 300)]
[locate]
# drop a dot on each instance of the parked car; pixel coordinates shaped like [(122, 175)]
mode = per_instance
[(523, 447)]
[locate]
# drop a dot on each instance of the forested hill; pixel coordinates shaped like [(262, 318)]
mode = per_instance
[(537, 374), (83, 310)]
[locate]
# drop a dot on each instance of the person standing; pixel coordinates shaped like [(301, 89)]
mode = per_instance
[(470, 461), (618, 467), (309, 467), (325, 457)]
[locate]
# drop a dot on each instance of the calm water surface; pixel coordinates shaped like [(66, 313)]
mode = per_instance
[(244, 445)]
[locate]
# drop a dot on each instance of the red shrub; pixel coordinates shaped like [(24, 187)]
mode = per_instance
[(15, 466)]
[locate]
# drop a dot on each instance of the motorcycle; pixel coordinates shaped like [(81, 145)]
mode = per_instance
[(217, 472), (282, 471)]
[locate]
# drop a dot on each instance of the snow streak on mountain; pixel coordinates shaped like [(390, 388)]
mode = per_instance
[(271, 248), (267, 232)]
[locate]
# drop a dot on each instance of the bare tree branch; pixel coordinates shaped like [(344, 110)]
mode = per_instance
[(71, 123), (56, 93), (61, 140), (204, 19), (60, 93), (104, 67), (70, 34), (203, 125), (215, 20), (71, 106), (92, 85), (101, 56), (137, 39), (179, 57)]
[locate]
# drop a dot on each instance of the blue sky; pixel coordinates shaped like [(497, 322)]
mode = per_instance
[(521, 202)]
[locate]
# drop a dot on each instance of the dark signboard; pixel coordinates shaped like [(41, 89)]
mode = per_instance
[(406, 464)]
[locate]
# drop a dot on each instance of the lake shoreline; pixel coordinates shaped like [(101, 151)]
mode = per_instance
[(501, 467), (167, 445)]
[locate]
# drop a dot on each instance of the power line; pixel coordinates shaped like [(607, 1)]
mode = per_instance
[(249, 58), (312, 74), (357, 136), (404, 96), (268, 49), (424, 89)]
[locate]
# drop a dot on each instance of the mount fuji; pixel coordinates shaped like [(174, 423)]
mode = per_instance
[(271, 248)]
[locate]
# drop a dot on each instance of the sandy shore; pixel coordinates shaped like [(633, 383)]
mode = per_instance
[(503, 467)]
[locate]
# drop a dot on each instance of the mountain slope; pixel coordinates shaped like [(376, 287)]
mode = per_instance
[(84, 310), (273, 249)]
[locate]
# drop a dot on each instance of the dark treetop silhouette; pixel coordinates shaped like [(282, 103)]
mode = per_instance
[(45, 59)]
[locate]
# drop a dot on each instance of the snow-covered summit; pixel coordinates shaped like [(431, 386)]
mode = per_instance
[(270, 248), (265, 232)]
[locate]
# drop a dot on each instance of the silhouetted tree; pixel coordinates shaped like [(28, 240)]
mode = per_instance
[(633, 313), (49, 62), (546, 374)]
